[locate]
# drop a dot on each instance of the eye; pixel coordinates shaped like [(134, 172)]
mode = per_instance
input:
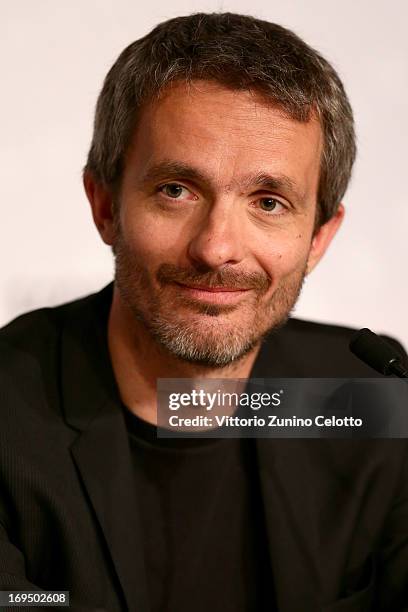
[(174, 191), (272, 206)]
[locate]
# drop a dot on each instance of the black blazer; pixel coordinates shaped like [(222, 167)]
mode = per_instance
[(336, 510)]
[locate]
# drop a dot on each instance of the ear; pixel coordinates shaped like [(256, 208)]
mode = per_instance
[(100, 199), (323, 238)]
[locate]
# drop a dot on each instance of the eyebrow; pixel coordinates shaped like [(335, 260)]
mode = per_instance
[(173, 169)]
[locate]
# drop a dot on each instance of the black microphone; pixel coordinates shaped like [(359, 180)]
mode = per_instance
[(377, 353)]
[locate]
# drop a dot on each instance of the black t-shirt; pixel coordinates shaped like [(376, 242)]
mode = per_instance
[(204, 537)]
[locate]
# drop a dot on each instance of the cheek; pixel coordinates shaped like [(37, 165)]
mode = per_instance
[(147, 239), (283, 257)]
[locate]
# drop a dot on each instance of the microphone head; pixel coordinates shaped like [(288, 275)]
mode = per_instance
[(373, 350)]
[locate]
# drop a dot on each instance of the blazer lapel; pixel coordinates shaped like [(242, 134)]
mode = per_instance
[(290, 515), (101, 450), (287, 488), (103, 459)]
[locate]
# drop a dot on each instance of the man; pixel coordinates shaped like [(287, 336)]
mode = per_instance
[(221, 152)]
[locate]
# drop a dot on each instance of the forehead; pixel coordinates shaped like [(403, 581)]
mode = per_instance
[(226, 134)]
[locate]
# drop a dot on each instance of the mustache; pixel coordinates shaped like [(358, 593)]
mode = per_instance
[(227, 277)]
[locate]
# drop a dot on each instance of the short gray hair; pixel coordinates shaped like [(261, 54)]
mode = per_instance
[(241, 53)]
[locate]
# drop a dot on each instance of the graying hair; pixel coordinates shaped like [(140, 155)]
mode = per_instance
[(241, 53)]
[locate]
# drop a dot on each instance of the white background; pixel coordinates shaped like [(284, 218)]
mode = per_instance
[(54, 56)]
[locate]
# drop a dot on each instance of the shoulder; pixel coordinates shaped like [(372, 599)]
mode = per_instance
[(321, 337), (308, 348), (331, 335), (36, 332), (31, 349)]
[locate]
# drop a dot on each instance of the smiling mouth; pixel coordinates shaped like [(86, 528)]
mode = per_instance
[(213, 295), (212, 289)]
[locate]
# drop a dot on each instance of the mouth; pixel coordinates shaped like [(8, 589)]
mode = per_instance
[(215, 295)]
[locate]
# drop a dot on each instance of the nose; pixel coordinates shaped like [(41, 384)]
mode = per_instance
[(218, 239)]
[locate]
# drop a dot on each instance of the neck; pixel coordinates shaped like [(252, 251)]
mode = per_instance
[(138, 361)]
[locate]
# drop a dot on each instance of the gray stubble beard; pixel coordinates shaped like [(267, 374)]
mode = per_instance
[(219, 347)]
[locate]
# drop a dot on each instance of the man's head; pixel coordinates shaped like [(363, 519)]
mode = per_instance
[(222, 148)]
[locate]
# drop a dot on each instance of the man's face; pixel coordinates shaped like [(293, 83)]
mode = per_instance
[(219, 190)]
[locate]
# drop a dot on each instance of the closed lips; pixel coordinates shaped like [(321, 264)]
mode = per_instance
[(212, 289)]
